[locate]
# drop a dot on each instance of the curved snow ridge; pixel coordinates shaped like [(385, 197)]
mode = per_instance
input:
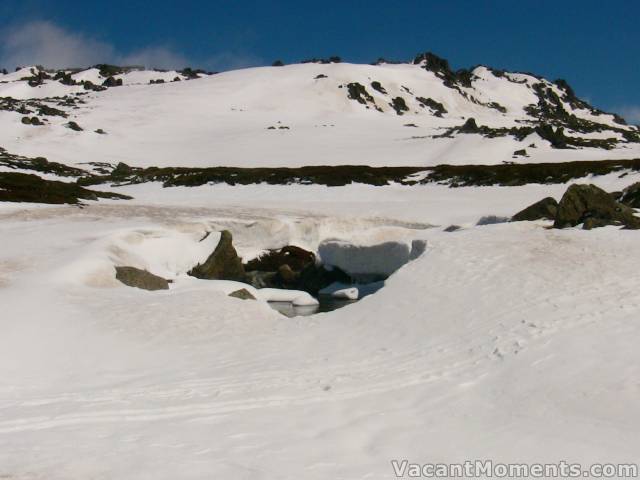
[(168, 253), (372, 261)]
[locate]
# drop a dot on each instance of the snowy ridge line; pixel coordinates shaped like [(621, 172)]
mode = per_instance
[(419, 113)]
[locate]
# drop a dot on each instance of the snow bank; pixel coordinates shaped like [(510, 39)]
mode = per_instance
[(297, 298), (351, 292), (166, 252), (369, 261)]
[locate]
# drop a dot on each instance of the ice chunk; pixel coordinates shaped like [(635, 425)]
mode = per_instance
[(295, 297)]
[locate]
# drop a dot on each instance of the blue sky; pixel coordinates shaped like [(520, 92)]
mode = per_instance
[(595, 45)]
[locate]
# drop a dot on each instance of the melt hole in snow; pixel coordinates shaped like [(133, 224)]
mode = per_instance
[(368, 266)]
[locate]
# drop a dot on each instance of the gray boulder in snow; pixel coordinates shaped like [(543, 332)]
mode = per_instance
[(630, 196), (590, 204), (222, 264), (136, 277), (543, 209)]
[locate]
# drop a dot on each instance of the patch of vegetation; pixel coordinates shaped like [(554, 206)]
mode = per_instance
[(24, 187), (453, 175), (30, 106), (320, 175), (524, 173), (37, 78), (39, 164)]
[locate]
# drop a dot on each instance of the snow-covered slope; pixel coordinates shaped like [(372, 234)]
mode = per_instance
[(313, 113), (511, 342)]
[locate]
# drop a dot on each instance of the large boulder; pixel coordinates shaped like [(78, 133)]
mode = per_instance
[(631, 196), (112, 82), (222, 264), (295, 257), (588, 202), (136, 277), (545, 208)]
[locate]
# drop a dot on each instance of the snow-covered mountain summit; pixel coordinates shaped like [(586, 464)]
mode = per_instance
[(318, 113)]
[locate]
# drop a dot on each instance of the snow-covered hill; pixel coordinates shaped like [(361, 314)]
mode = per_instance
[(307, 114), (509, 341)]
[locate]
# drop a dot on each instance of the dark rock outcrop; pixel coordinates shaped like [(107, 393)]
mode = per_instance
[(112, 82), (631, 196), (297, 258), (242, 294), (545, 208), (135, 277), (590, 204), (292, 267), (470, 126), (222, 264), (74, 126), (399, 105), (520, 153)]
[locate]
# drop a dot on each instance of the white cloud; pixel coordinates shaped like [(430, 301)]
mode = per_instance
[(47, 44), (44, 43), (156, 57)]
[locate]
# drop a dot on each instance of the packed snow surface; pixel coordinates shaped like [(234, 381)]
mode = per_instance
[(509, 341), (506, 341)]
